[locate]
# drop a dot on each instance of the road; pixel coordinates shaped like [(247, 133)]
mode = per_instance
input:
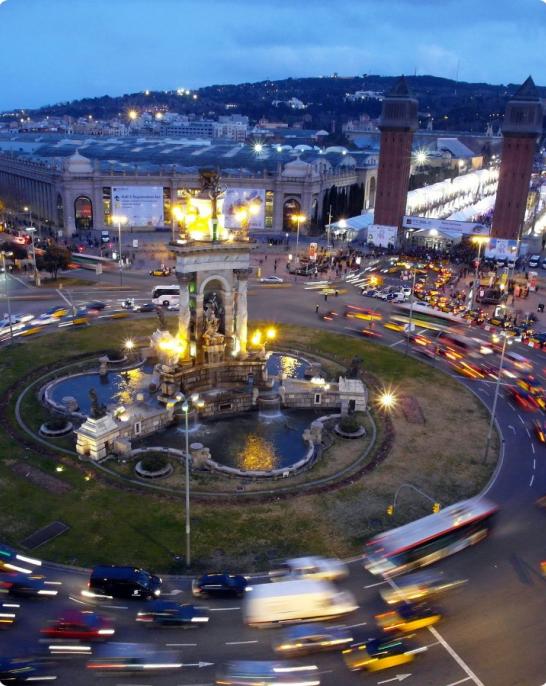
[(495, 625)]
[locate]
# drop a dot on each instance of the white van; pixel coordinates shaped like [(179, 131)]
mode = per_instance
[(295, 601)]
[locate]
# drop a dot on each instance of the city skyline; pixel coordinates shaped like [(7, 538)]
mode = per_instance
[(122, 47)]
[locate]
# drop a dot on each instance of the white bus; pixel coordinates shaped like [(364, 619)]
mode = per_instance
[(430, 538), (167, 296)]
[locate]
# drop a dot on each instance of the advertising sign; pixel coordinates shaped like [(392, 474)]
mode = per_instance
[(142, 205), (381, 235), (313, 247), (244, 208), (502, 249), (466, 228)]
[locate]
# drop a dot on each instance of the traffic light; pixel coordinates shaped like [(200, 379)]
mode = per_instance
[(390, 510), (436, 507)]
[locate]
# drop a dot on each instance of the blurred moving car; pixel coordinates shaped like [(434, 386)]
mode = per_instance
[(262, 673), (13, 562), (26, 585), (379, 653), (161, 271), (168, 613), (146, 307), (7, 615), (81, 625), (329, 316), (305, 639), (123, 582), (271, 279), (523, 399), (221, 585), (95, 306), (312, 567), (408, 617), (539, 427), (123, 658), (418, 587), (22, 670)]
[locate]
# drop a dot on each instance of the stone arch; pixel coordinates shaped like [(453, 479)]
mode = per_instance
[(290, 206), (83, 213), (224, 284)]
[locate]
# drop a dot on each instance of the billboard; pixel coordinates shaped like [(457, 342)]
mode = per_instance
[(313, 248), (244, 208), (466, 228), (142, 205), (381, 235), (502, 249)]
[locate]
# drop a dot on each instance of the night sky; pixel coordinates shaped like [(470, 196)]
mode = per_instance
[(56, 50)]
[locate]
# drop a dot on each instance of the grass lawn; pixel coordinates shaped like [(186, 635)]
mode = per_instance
[(110, 524)]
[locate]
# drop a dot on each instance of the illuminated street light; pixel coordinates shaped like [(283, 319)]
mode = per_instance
[(129, 344), (119, 219), (387, 400), (298, 218), (133, 114), (195, 400), (271, 333), (258, 148), (421, 157), (507, 340)]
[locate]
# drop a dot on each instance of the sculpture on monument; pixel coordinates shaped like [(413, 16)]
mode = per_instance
[(210, 183), (98, 410), (211, 335), (162, 319)]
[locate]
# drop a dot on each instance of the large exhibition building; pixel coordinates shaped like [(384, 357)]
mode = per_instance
[(72, 183)]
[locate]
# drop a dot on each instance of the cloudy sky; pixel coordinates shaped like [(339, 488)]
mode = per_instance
[(56, 50)]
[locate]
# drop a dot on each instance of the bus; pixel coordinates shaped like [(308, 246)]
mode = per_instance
[(430, 538), (167, 296), (86, 261), (425, 317)]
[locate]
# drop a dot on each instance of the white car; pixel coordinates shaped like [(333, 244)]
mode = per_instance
[(271, 279), (534, 261), (317, 568), (44, 319)]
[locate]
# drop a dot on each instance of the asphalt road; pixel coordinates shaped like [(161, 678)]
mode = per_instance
[(495, 625)]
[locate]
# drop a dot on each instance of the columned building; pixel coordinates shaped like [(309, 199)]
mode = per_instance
[(520, 130), (397, 124), (68, 182)]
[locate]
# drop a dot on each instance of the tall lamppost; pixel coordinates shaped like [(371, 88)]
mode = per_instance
[(194, 398), (412, 303), (6, 291), (119, 219), (29, 210), (479, 241), (507, 340), (31, 230), (298, 218)]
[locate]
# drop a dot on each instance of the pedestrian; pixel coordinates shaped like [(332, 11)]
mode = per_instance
[(316, 309), (336, 293), (326, 297)]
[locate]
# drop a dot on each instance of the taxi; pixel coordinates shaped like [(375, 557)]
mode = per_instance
[(161, 271), (408, 617), (31, 331), (377, 654), (119, 315), (394, 326), (539, 427)]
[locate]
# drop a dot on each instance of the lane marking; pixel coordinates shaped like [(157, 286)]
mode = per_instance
[(528, 432), (533, 449), (461, 681), (116, 607), (221, 609), (534, 463), (512, 406), (180, 645), (532, 480), (521, 419), (379, 583), (512, 427), (459, 660), (240, 643)]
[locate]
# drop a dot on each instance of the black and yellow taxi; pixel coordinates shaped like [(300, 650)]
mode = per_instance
[(408, 617), (379, 653), (161, 271)]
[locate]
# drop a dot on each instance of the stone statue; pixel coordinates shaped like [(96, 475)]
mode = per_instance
[(211, 322), (354, 370), (162, 319), (98, 410)]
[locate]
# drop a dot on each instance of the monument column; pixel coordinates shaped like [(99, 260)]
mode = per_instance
[(241, 321), (228, 318), (184, 313)]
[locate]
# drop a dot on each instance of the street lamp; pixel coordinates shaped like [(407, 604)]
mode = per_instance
[(507, 340), (119, 219), (479, 241), (194, 399), (387, 400), (412, 303), (31, 230), (6, 291), (298, 218)]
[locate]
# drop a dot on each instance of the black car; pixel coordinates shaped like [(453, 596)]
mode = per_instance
[(146, 307), (221, 585), (28, 585), (123, 582), (95, 306), (22, 670), (169, 613)]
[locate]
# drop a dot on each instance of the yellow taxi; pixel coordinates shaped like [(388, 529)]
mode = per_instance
[(31, 331), (378, 653), (119, 315), (407, 618), (394, 326), (161, 271)]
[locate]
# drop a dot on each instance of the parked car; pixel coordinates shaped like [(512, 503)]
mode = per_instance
[(161, 271), (220, 585), (534, 261)]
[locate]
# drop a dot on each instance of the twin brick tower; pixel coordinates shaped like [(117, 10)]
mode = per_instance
[(521, 128)]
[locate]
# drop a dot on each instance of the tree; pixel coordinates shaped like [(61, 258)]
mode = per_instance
[(53, 259)]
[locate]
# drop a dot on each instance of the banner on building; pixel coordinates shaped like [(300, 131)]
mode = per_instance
[(502, 249), (244, 208), (466, 228), (381, 235), (141, 205), (313, 248)]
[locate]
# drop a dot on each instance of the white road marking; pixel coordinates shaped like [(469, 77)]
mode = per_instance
[(534, 463), (77, 600), (353, 626), (521, 419), (221, 609), (532, 480), (528, 432), (180, 645), (379, 583), (511, 405), (461, 681), (533, 449), (116, 607), (239, 643), (512, 427), (402, 340), (459, 660)]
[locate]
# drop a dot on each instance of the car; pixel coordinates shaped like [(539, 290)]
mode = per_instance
[(219, 585), (80, 625), (539, 427), (265, 673), (408, 617), (57, 311), (271, 279), (534, 261), (329, 316), (530, 384), (468, 369), (379, 653), (128, 304), (30, 330), (44, 320), (123, 582), (125, 658), (370, 292), (22, 670), (161, 271), (523, 399), (7, 615), (146, 307), (26, 585), (168, 613), (419, 586), (305, 639), (12, 561), (321, 568), (95, 306)]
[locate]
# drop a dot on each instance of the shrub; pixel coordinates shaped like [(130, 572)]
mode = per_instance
[(154, 462), (349, 424)]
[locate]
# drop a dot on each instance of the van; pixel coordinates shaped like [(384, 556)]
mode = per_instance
[(295, 601), (124, 582)]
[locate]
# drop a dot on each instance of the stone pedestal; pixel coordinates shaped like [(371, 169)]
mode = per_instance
[(96, 437)]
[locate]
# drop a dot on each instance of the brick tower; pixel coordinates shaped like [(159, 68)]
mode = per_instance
[(397, 124), (521, 127)]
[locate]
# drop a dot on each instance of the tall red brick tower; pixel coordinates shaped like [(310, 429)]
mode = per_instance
[(521, 127), (397, 124)]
